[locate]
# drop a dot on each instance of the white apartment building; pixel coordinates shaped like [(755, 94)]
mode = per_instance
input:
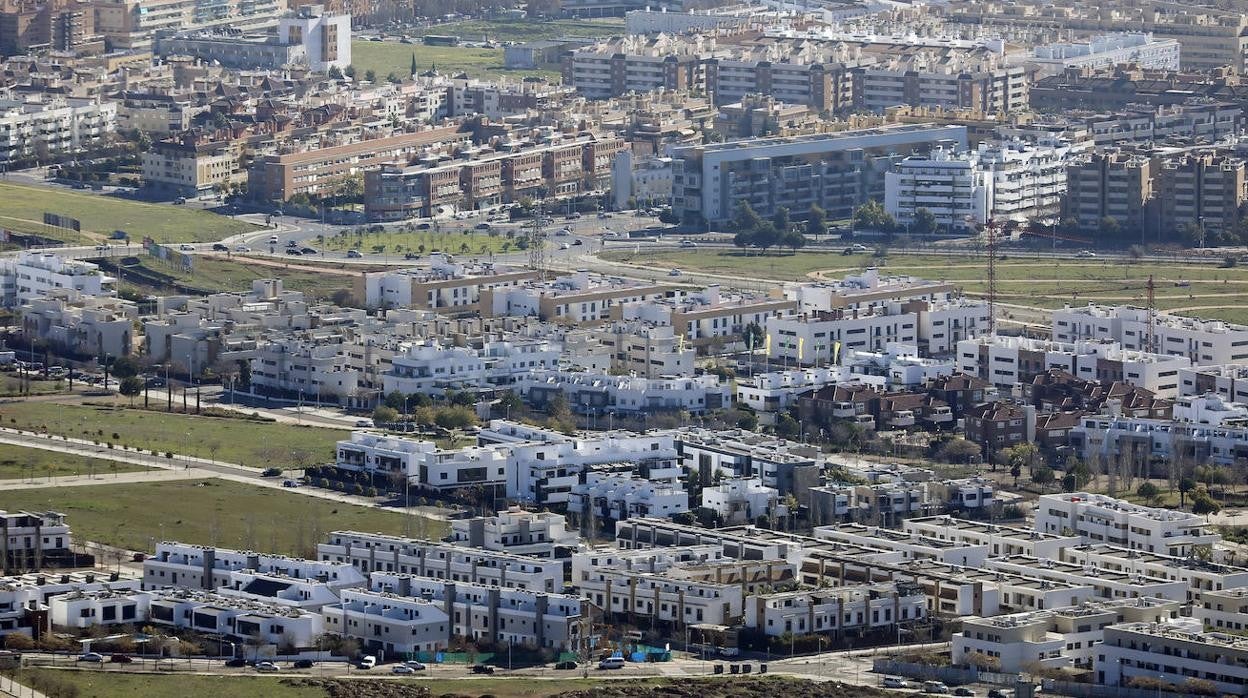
[(1106, 51), (1052, 638), (1223, 610), (675, 598), (383, 455), (977, 79), (998, 540), (325, 36), (1203, 342), (706, 454), (499, 616), (430, 368), (85, 325), (376, 552), (739, 500), (1199, 575), (1013, 181), (1098, 518), (1007, 362), (578, 298), (37, 128), (1138, 439), (33, 540), (777, 390), (899, 365), (600, 393), (25, 599), (617, 496), (1172, 652), (630, 347), (536, 534), (1228, 381), (82, 609), (390, 624), (239, 619), (912, 546), (1105, 583), (707, 318), (31, 275), (307, 370), (185, 566), (1209, 410), (836, 611), (445, 285)]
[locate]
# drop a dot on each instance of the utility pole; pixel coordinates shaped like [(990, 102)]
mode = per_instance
[(1151, 347), (990, 229)]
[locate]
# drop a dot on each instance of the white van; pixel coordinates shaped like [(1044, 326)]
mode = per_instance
[(611, 663), (368, 662), (937, 687)]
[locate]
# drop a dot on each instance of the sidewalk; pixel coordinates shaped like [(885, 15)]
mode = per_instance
[(9, 687)]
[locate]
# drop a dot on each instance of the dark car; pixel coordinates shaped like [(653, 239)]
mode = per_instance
[(293, 251), (236, 663), (578, 241), (218, 247), (303, 664), (963, 691), (565, 666), (309, 250), (120, 659), (482, 669)]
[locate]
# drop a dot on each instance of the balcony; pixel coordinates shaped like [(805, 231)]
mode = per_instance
[(904, 418)]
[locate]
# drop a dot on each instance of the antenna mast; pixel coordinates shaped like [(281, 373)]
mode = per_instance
[(537, 243), (990, 229)]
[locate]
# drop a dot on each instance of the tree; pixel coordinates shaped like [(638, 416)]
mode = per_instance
[(1110, 227), (872, 216), (787, 426), (1186, 484), (793, 240), (766, 236), (1148, 492), (1016, 471), (753, 335), (1043, 476), (747, 421), (370, 75), (395, 400), (130, 386), (1203, 503), (334, 73), (385, 415), (125, 367), (924, 222), (510, 402), (413, 67), (781, 220), (959, 450), (350, 72), (1024, 455), (816, 222)]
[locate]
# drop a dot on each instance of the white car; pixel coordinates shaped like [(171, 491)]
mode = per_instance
[(403, 669), (266, 666), (414, 665), (565, 246), (688, 244), (895, 682), (242, 248), (186, 248), (1085, 253), (674, 272)]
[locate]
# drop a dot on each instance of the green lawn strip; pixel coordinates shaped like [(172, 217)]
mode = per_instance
[(22, 208), (251, 443), (34, 464), (422, 242), (388, 57), (221, 274), (525, 30), (210, 512)]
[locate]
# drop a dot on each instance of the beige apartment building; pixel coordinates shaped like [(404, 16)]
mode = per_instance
[(1203, 190), (190, 169)]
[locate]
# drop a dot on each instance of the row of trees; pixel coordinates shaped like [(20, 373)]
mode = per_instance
[(755, 232), (872, 216)]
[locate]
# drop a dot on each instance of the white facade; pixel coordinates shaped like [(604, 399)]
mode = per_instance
[(1209, 410), (1107, 51), (1203, 342), (601, 393), (186, 566), (89, 325), (32, 275), (325, 37), (375, 453), (26, 599), (37, 128), (1106, 584), (740, 500), (1172, 652), (863, 609), (431, 369), (997, 539), (520, 532), (101, 607), (777, 390), (1000, 360), (642, 180), (618, 497), (1098, 518), (389, 623), (1163, 439), (243, 620)]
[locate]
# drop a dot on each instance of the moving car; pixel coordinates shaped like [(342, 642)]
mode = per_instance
[(611, 663), (1085, 253), (303, 664), (293, 251), (688, 244), (186, 248), (402, 669), (963, 691), (309, 250), (354, 254), (236, 663), (578, 241), (91, 657), (412, 663), (242, 248), (674, 272), (367, 663), (936, 687), (266, 666), (895, 682), (482, 669), (218, 247), (566, 666), (120, 659)]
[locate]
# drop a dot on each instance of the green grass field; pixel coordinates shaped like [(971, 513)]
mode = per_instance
[(22, 208), (21, 463), (255, 444), (219, 273), (210, 512), (526, 30), (388, 57), (398, 242), (1211, 291)]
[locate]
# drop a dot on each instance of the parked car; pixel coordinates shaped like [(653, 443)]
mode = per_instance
[(242, 248), (611, 663), (266, 666), (1083, 254), (999, 693), (271, 472), (895, 682), (354, 254), (482, 669), (120, 659), (565, 246), (218, 247), (402, 669), (236, 663), (303, 664), (309, 250), (674, 272), (483, 226), (91, 657), (292, 243), (963, 691), (186, 248), (363, 423), (290, 483), (415, 665), (935, 687), (293, 251), (366, 663), (578, 241), (566, 666)]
